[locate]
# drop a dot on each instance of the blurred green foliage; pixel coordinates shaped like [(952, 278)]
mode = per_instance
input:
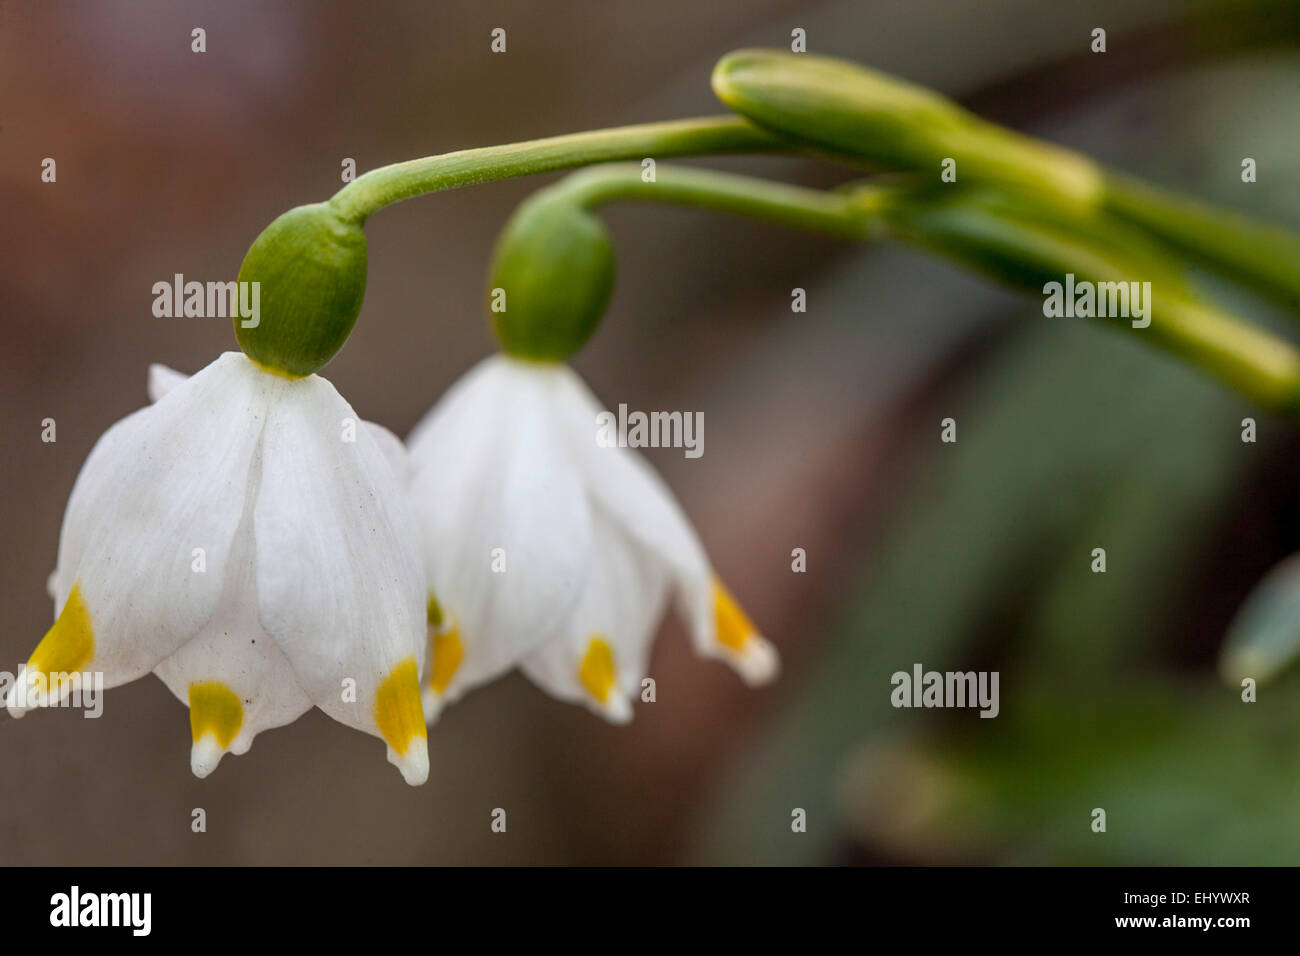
[(1069, 438)]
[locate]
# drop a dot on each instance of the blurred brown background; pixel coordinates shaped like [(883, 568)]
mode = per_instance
[(819, 425)]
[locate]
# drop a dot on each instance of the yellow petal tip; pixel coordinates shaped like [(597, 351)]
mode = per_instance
[(596, 672), (738, 641), (66, 649), (399, 714), (216, 712), (69, 645), (448, 652), (732, 628)]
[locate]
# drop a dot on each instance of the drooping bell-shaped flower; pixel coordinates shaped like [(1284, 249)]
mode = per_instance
[(545, 550), (247, 538)]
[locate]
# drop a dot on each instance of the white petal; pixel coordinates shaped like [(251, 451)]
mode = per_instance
[(158, 499), (620, 608), (494, 488), (162, 380), (339, 579), (627, 489), (205, 755), (233, 677), (246, 665), (625, 484), (633, 496), (453, 420), (393, 450)]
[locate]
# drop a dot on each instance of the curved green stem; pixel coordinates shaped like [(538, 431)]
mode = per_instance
[(850, 110), (832, 213), (692, 137), (1025, 255), (1257, 254), (992, 234)]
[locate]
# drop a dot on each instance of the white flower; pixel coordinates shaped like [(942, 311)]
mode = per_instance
[(545, 550), (247, 539)]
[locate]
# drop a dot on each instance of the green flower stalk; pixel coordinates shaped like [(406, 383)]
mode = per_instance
[(1259, 255), (553, 269), (873, 117), (1041, 211), (692, 137), (1003, 236), (986, 232), (310, 263)]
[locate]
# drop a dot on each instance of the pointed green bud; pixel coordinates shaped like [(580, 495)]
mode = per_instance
[(1264, 638), (310, 270), (882, 120), (551, 278)]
